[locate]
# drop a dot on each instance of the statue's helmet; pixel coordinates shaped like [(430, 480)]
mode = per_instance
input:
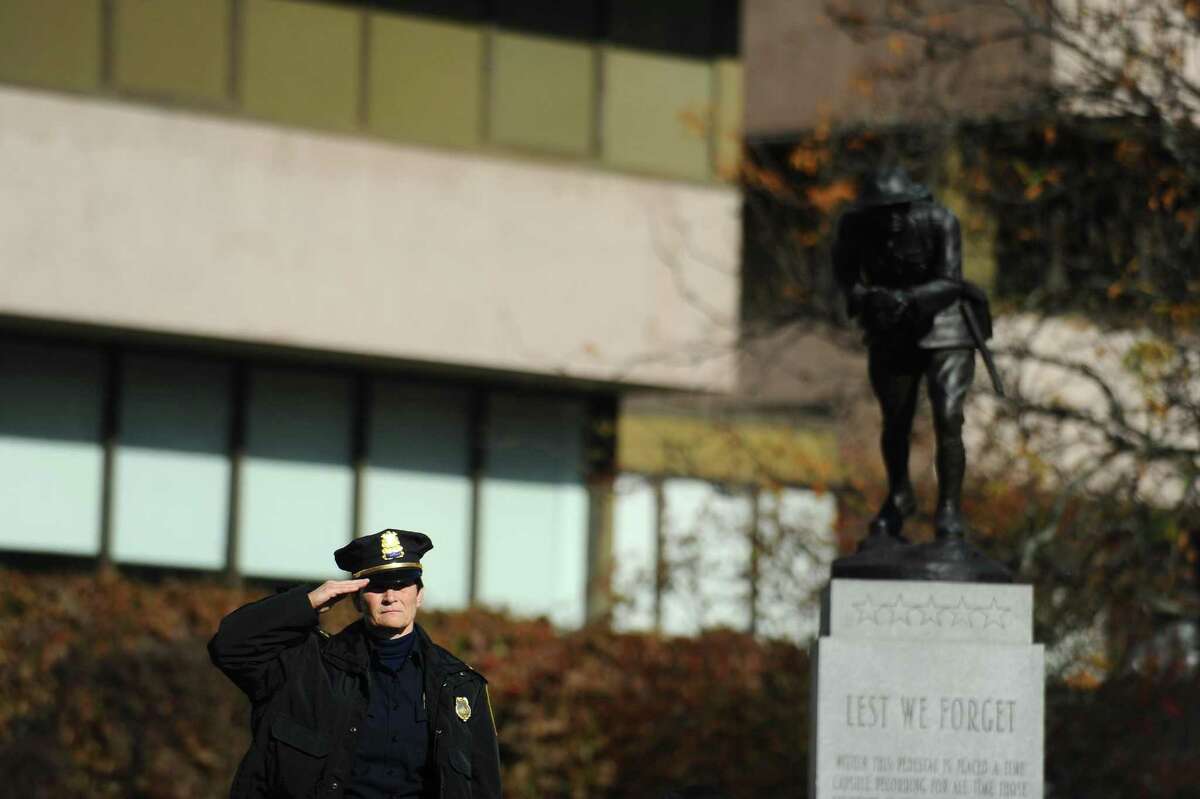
[(890, 186)]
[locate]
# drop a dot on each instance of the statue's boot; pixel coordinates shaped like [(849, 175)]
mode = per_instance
[(949, 556), (885, 529), (881, 555), (948, 522)]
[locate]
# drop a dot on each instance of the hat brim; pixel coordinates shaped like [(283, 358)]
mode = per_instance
[(399, 578)]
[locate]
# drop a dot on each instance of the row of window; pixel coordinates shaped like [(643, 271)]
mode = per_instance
[(406, 77), (203, 464), (165, 460)]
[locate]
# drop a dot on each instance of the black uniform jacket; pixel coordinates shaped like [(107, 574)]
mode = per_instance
[(309, 694)]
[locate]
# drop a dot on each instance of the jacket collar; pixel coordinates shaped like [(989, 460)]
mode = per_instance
[(350, 650), (437, 660)]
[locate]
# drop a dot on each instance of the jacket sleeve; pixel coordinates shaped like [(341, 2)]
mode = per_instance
[(251, 641), (485, 754)]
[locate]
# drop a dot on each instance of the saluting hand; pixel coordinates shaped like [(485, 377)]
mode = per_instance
[(330, 592)]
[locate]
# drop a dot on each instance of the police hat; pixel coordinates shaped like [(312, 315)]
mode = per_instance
[(392, 556)]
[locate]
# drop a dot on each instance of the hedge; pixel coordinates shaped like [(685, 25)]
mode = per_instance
[(106, 691)]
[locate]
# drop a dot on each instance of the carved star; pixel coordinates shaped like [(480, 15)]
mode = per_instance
[(897, 611), (913, 615), (929, 612), (886, 612), (865, 612), (995, 614), (961, 613)]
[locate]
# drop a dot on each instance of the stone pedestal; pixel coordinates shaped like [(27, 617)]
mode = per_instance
[(926, 689)]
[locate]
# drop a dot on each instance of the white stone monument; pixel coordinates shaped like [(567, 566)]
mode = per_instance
[(926, 689)]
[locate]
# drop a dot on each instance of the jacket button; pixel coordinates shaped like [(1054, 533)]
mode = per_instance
[(353, 730), (333, 786)]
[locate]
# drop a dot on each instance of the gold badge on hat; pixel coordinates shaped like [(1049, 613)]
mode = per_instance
[(462, 707), (389, 546)]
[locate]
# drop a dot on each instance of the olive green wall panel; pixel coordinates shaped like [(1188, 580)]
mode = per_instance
[(173, 48), (730, 112), (300, 63), (542, 94), (426, 80), (657, 114), (54, 43)]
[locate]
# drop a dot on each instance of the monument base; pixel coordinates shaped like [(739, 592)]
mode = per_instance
[(926, 689), (943, 560)]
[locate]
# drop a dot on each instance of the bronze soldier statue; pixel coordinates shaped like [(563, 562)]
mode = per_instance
[(898, 260)]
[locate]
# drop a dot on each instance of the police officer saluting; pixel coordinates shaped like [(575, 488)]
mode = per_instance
[(377, 710)]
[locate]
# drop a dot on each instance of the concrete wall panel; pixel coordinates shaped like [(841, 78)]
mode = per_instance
[(300, 63), (178, 49), (54, 43), (730, 115), (657, 114), (807, 71), (426, 80), (543, 94), (161, 220)]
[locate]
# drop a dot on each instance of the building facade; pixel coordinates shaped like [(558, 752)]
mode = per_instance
[(277, 273)]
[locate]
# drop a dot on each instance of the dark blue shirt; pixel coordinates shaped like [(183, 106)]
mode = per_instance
[(389, 761)]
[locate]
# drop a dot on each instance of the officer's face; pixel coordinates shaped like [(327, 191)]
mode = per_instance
[(391, 610)]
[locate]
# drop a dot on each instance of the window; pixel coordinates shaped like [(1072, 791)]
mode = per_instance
[(534, 508), (51, 453), (172, 469), (297, 481), (418, 478)]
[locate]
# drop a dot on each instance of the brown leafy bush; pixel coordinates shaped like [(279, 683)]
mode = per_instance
[(1133, 737), (106, 691)]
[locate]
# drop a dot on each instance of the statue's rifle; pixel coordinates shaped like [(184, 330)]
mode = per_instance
[(981, 345)]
